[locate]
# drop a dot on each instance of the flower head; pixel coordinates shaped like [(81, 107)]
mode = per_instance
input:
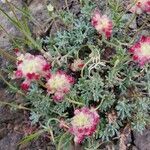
[(140, 6), (25, 85), (84, 123), (59, 84), (50, 8), (102, 24), (141, 51), (77, 65), (30, 68)]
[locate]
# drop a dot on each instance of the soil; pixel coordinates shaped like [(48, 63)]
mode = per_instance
[(15, 124)]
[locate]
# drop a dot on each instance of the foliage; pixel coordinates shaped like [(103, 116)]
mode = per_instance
[(108, 82)]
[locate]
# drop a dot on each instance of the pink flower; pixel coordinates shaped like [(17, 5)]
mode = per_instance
[(16, 50), (140, 6), (77, 65), (84, 123), (59, 84), (30, 68), (141, 51), (25, 85), (102, 24)]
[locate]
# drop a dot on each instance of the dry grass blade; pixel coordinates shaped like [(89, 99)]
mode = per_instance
[(123, 137)]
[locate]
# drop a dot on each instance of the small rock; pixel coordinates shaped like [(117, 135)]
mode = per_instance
[(8, 26), (142, 141), (7, 116), (40, 13), (59, 4), (3, 132), (10, 142)]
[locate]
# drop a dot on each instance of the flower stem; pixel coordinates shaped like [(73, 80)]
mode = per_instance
[(14, 105), (85, 66), (52, 119), (100, 104), (74, 102), (108, 43), (60, 141)]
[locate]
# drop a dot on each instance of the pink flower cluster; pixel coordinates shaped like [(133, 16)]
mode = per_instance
[(141, 51), (140, 6), (77, 65), (59, 84), (84, 123), (102, 24), (31, 68)]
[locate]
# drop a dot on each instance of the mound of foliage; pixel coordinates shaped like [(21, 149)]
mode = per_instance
[(89, 81)]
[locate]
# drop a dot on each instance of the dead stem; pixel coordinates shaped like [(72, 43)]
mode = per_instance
[(7, 55), (14, 105), (74, 102), (11, 37), (12, 9), (41, 83), (9, 84), (66, 2), (27, 15)]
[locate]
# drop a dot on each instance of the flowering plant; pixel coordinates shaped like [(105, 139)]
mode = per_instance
[(89, 82)]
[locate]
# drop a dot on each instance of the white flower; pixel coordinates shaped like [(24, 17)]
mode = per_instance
[(50, 8)]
